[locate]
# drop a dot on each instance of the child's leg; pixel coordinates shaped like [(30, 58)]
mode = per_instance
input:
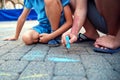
[(30, 37), (53, 10), (73, 6)]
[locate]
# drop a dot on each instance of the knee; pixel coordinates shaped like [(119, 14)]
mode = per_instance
[(53, 4), (27, 39), (49, 2)]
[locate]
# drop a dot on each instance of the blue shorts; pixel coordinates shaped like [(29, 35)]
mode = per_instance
[(42, 28), (95, 18), (45, 27)]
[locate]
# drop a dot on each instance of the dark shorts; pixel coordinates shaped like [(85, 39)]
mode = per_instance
[(95, 18)]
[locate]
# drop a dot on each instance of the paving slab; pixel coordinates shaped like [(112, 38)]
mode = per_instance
[(41, 62)]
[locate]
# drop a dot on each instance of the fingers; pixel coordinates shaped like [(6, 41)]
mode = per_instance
[(72, 37), (10, 39), (99, 43), (63, 41), (5, 39), (40, 37), (43, 38)]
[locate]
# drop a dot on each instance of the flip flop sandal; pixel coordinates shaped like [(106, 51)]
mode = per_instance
[(108, 50), (83, 38), (54, 43)]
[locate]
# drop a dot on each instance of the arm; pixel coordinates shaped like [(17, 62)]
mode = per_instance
[(79, 16), (20, 24), (68, 16), (78, 21)]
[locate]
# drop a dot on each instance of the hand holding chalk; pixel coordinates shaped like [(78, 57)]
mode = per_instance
[(67, 42)]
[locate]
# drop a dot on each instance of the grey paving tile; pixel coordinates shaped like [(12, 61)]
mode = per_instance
[(22, 48), (68, 78), (116, 67), (3, 52), (8, 75), (12, 56), (69, 69), (2, 43), (113, 59), (41, 47), (38, 71), (83, 44), (10, 45), (95, 74), (78, 50), (1, 61), (57, 50), (34, 55), (13, 66), (95, 62), (41, 62)]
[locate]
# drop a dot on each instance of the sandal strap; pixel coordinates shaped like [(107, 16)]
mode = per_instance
[(82, 36)]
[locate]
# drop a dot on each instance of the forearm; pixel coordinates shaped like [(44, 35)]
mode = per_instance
[(61, 30), (21, 21), (79, 20), (79, 16), (20, 24)]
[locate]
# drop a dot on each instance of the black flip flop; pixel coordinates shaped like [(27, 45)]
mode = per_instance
[(83, 38), (108, 50)]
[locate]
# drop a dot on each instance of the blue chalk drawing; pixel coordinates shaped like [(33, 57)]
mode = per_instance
[(34, 55), (55, 59)]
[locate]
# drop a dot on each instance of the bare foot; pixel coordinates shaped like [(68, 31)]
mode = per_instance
[(107, 41)]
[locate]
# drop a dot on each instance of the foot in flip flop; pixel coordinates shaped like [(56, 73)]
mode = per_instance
[(107, 50), (83, 38), (54, 42)]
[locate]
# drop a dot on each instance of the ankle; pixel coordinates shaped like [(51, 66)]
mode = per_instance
[(92, 35)]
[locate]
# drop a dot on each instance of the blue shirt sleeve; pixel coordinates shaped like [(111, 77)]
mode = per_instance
[(27, 4), (65, 2)]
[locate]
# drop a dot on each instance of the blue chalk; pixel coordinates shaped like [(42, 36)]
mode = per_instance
[(67, 42), (55, 59)]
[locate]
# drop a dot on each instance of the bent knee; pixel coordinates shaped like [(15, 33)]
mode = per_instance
[(49, 2), (27, 39), (52, 2)]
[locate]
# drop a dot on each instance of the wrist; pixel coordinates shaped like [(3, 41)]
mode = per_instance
[(16, 37), (50, 36), (74, 32)]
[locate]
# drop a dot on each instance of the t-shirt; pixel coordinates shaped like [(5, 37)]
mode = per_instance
[(39, 7)]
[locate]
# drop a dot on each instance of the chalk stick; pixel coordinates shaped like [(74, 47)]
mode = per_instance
[(67, 42)]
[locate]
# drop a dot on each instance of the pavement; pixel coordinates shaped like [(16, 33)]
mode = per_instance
[(41, 62)]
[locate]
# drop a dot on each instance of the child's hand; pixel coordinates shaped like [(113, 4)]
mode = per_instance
[(11, 39), (44, 38)]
